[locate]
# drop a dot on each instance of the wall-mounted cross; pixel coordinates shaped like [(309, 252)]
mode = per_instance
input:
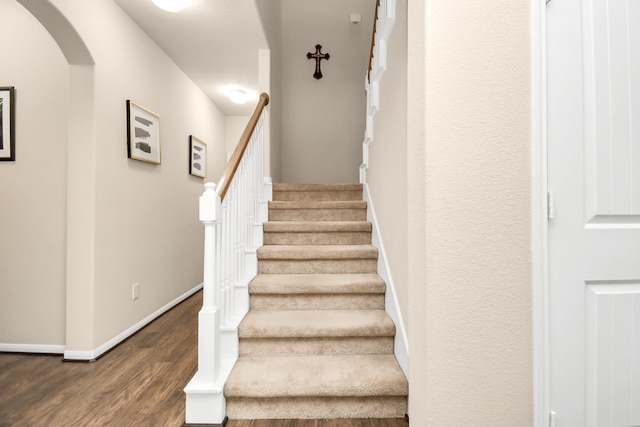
[(318, 57)]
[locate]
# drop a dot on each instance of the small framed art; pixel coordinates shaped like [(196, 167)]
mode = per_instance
[(197, 157), (143, 134), (7, 124)]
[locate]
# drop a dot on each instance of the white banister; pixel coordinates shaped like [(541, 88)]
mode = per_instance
[(232, 214), (386, 18)]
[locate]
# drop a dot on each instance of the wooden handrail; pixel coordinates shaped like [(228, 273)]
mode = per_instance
[(238, 152), (373, 40)]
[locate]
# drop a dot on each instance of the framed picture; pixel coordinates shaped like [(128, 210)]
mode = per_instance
[(143, 134), (7, 124), (197, 157)]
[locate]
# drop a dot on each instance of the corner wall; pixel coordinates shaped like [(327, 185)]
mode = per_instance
[(469, 213), (270, 17)]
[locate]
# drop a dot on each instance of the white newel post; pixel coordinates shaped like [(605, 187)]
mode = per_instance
[(205, 400), (209, 316)]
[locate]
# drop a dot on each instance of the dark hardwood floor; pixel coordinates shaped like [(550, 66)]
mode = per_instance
[(139, 383)]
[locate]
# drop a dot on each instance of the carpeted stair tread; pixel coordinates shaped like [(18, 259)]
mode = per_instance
[(316, 323), (316, 284), (316, 226), (333, 204), (320, 376), (316, 252)]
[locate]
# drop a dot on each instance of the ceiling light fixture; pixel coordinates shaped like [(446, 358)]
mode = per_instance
[(173, 5), (238, 96)]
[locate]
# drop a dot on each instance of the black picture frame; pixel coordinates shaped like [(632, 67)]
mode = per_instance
[(143, 134), (197, 157), (7, 124)]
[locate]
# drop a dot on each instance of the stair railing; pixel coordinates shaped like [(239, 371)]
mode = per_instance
[(385, 18), (232, 213)]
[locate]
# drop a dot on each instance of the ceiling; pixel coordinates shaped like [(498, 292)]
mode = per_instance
[(198, 39)]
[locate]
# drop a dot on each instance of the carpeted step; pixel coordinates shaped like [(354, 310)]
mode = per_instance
[(316, 192), (316, 342), (317, 233), (344, 386), (297, 332), (317, 292), (318, 211), (292, 259)]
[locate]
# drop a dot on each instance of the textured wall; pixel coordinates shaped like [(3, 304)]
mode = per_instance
[(469, 144)]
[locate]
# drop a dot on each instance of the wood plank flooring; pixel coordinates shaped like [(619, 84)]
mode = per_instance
[(139, 383)]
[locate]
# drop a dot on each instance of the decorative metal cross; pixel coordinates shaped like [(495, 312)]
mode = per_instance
[(318, 57)]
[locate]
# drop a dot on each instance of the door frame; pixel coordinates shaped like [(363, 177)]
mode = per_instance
[(539, 214)]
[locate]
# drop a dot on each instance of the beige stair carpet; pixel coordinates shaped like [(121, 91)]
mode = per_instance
[(317, 342)]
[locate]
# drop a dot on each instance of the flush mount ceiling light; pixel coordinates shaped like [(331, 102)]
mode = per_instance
[(173, 5), (238, 96)]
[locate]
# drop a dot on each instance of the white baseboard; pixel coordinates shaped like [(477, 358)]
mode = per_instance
[(31, 348), (94, 354), (401, 345)]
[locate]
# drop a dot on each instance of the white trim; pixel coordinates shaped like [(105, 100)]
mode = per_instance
[(31, 348), (539, 226), (94, 354), (386, 22), (401, 347)]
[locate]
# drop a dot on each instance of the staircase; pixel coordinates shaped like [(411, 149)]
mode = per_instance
[(317, 342)]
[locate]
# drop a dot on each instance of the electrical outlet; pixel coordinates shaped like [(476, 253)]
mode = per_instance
[(135, 291)]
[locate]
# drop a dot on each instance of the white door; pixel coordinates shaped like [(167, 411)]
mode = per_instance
[(594, 236)]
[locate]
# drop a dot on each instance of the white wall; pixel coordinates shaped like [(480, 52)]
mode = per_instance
[(469, 190), (146, 227), (141, 219), (388, 155), (323, 120), (33, 193)]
